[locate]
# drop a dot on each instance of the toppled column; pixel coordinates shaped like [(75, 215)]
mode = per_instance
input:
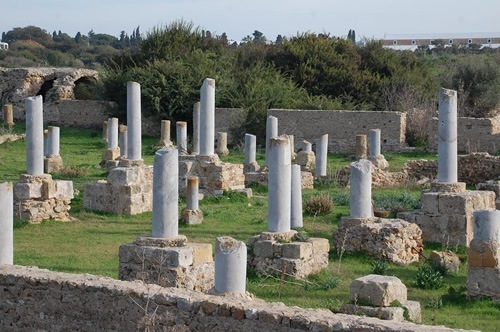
[(230, 266), (222, 144), (8, 115), (271, 132), (447, 136), (361, 189), (122, 140), (34, 135), (321, 156), (361, 147), (375, 156), (483, 279), (251, 164), (113, 151), (306, 158), (279, 179), (192, 213), (134, 139), (196, 128), (207, 117), (182, 140), (296, 218), (53, 161), (6, 223), (105, 131)]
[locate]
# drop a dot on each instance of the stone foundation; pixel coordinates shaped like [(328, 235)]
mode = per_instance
[(393, 240), (260, 178), (278, 254), (483, 278), (492, 185), (38, 197), (168, 263), (128, 190), (446, 215), (52, 164)]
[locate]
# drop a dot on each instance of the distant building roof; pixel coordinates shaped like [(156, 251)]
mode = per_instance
[(442, 35)]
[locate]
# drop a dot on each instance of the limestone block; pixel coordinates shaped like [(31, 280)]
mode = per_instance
[(319, 245), (379, 161), (284, 237), (484, 254), (202, 253), (297, 250), (48, 189), (430, 201), (483, 282), (52, 164), (64, 189), (192, 217), (446, 259), (23, 191), (111, 154), (456, 187), (252, 167), (414, 310), (263, 248), (175, 241), (306, 160), (385, 313), (377, 290), (307, 180), (124, 176), (185, 167), (466, 202)]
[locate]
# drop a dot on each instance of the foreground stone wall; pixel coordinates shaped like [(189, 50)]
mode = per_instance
[(342, 127), (35, 299)]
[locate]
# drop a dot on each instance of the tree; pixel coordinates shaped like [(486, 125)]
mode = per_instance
[(279, 40), (78, 37), (258, 37), (351, 35)]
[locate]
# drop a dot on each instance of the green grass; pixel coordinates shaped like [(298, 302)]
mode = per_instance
[(90, 245)]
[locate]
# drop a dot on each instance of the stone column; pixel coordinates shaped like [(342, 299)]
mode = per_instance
[(207, 117), (222, 144), (321, 155), (45, 142), (34, 135), (192, 213), (165, 194), (8, 115), (296, 219), (361, 147), (293, 155), (230, 265), (307, 146), (251, 164), (105, 130), (374, 141), (122, 140), (271, 131), (361, 189), (182, 139), (53, 141), (134, 140), (196, 128), (6, 223), (447, 136), (165, 133), (279, 184), (112, 133)]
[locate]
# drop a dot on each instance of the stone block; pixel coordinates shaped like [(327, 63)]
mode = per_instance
[(111, 154), (263, 248), (484, 254), (307, 180), (131, 163), (48, 189), (466, 202), (64, 189), (23, 191), (185, 167), (385, 313), (446, 259), (297, 250), (456, 187), (252, 167), (124, 176), (377, 290), (483, 282), (430, 201), (414, 311), (202, 252), (192, 217), (176, 241), (319, 245), (52, 164)]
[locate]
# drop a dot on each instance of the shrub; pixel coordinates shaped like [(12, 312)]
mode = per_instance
[(428, 278), (318, 204), (379, 267), (73, 172)]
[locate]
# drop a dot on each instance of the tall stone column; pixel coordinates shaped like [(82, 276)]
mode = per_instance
[(112, 133), (361, 147), (279, 184), (447, 136), (165, 133), (6, 223), (8, 115), (271, 131), (134, 130), (207, 118), (122, 140), (321, 155), (53, 140), (196, 128), (105, 130), (166, 194), (222, 144), (182, 139), (361, 189), (374, 141), (230, 265), (296, 218), (34, 135)]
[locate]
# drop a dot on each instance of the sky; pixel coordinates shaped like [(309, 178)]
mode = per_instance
[(238, 18)]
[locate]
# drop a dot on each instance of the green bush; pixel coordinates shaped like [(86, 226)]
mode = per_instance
[(379, 267), (428, 278)]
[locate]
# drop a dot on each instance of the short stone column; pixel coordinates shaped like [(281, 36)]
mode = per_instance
[(230, 266), (207, 117), (361, 147), (196, 128), (483, 279), (8, 115), (45, 142), (306, 146), (166, 193), (192, 214), (222, 144), (306, 158), (447, 136), (134, 140), (321, 156), (251, 164), (271, 132), (182, 140), (292, 147), (361, 189), (113, 151), (165, 134), (105, 131), (296, 218), (53, 161), (6, 223), (279, 184), (34, 135), (375, 156), (122, 140)]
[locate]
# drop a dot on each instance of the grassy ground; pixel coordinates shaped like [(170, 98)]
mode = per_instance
[(90, 245)]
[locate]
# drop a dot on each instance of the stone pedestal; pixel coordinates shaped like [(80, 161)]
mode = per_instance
[(192, 214), (127, 190), (392, 240), (278, 254), (38, 197), (306, 160), (52, 163), (168, 262), (493, 185)]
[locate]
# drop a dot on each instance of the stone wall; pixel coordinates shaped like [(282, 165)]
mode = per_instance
[(342, 127), (35, 299), (475, 134)]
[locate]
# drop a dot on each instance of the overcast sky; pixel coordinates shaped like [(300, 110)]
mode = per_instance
[(239, 18)]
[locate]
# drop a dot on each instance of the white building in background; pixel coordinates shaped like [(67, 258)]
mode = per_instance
[(413, 41), (4, 46)]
